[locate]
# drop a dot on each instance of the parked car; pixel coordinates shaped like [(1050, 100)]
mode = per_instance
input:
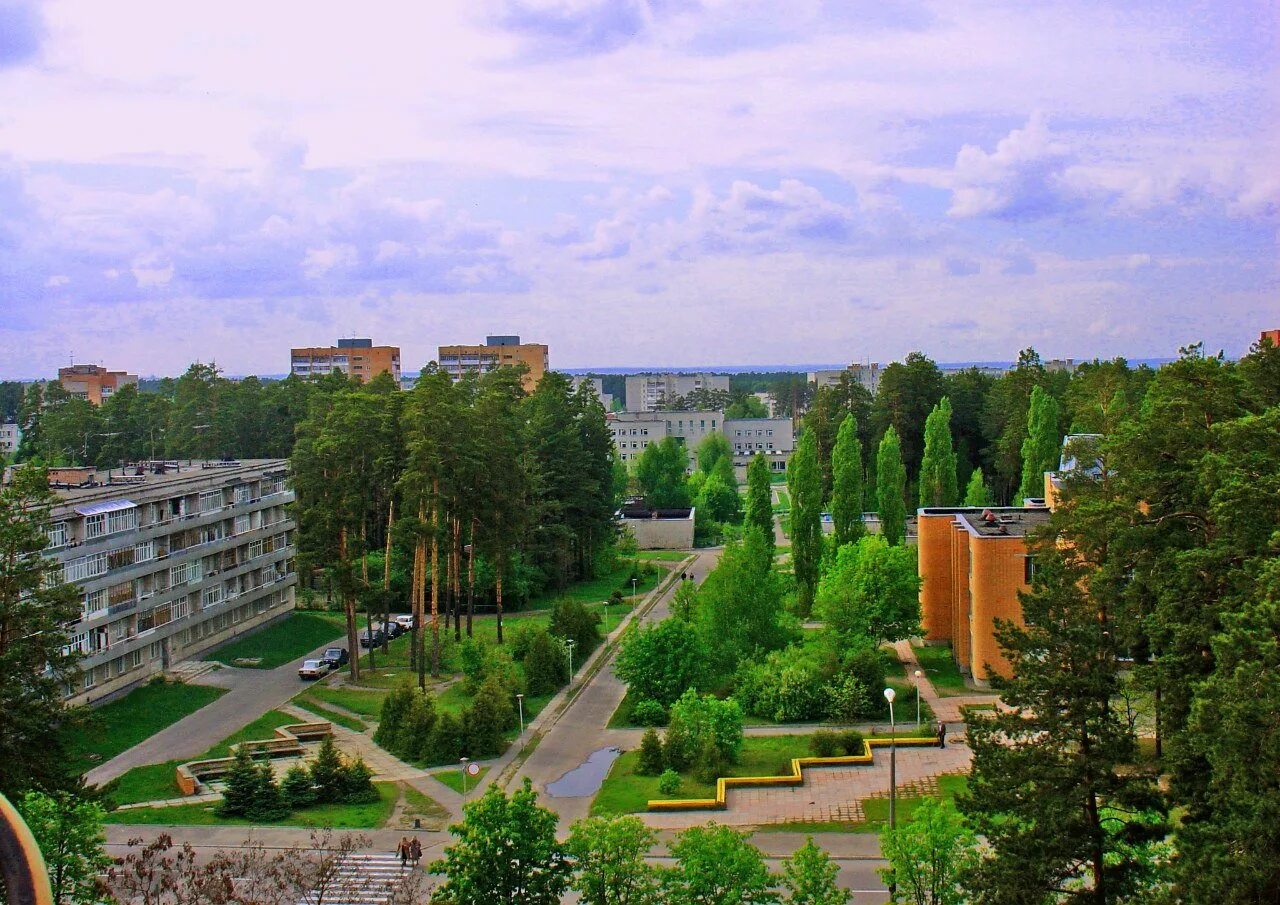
[(336, 657), (313, 669), (404, 620), (368, 640), (393, 629)]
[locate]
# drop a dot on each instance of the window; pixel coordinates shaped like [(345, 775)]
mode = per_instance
[(94, 603), (84, 568), (210, 500), (1028, 569), (104, 523), (242, 493), (210, 597), (118, 559), (144, 552), (241, 524), (57, 534)]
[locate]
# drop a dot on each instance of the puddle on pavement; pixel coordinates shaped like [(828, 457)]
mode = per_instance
[(587, 777)]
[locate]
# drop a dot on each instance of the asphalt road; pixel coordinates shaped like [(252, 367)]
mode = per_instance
[(252, 692)]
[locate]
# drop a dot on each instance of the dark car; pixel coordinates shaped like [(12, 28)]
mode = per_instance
[(336, 657), (368, 640), (394, 629)]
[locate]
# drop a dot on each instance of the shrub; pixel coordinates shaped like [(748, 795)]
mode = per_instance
[(239, 785), (357, 783), (327, 773), (415, 735), (519, 639), (395, 710), (648, 713), (825, 744), (851, 742), (695, 717), (296, 788), (846, 698), (650, 761), (663, 661), (444, 744), (546, 666), (867, 664), (669, 782), (571, 621), (708, 763), (799, 695), (490, 715)]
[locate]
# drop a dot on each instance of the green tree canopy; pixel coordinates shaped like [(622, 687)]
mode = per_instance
[(661, 661), (977, 493), (848, 487), (938, 466), (758, 509), (660, 474), (1041, 447), (871, 593), (804, 483), (609, 861), (891, 483), (716, 865)]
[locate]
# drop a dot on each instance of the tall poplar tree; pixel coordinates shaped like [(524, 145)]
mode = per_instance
[(804, 482), (976, 493), (758, 509), (938, 466), (891, 483), (1041, 447), (847, 483)]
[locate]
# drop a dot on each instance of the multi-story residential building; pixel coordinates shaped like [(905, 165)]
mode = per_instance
[(645, 392), (634, 431), (866, 374), (358, 358), (606, 399), (497, 352), (1273, 335), (774, 438), (10, 437), (171, 560), (973, 563), (93, 382)]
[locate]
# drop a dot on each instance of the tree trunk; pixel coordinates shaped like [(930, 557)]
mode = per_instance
[(349, 610), (455, 555), (368, 609), (498, 594), (419, 600), (435, 580), (386, 575), (471, 578)]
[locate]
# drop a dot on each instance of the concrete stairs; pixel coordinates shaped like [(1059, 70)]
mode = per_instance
[(362, 878)]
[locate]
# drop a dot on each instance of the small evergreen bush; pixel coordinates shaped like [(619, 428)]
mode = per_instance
[(650, 762), (669, 782)]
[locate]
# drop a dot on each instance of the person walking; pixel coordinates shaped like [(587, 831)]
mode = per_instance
[(415, 851), (403, 851)]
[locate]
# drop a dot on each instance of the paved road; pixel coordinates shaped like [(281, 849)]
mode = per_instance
[(581, 730), (252, 693)]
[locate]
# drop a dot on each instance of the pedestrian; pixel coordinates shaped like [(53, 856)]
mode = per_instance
[(403, 851), (942, 734), (415, 851)]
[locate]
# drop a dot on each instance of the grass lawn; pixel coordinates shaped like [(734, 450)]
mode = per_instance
[(155, 782), (940, 667), (661, 556), (453, 779), (598, 589), (364, 703), (324, 713), (876, 810), (134, 718), (433, 814), (784, 502), (625, 792), (297, 634), (335, 816)]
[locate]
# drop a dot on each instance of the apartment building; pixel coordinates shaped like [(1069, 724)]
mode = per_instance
[(10, 437), (645, 392), (93, 382), (1272, 335), (866, 374), (171, 560), (497, 352), (634, 431), (973, 563), (358, 358), (606, 399), (774, 438)]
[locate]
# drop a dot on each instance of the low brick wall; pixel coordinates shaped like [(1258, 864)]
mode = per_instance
[(795, 778), (286, 742)]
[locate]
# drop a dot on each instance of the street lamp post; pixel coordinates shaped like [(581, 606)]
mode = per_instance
[(464, 778), (889, 695), (520, 702), (633, 587), (569, 643), (918, 676)]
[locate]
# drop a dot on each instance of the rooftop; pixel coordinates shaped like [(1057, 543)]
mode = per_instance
[(81, 486), (996, 521)]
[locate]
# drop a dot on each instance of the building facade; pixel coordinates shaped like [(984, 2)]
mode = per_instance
[(170, 560), (358, 358), (497, 352), (10, 437), (973, 563), (866, 374), (774, 438), (634, 431), (1273, 335), (606, 399), (93, 382), (645, 392)]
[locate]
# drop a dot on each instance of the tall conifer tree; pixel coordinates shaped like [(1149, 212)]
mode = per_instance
[(1040, 449), (847, 487), (891, 482), (938, 467), (805, 485), (758, 509)]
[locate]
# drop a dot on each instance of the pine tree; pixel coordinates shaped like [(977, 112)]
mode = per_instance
[(650, 762), (847, 489), (1053, 791), (296, 788), (938, 467), (891, 481), (805, 486), (977, 493), (1040, 449), (240, 785), (758, 511), (326, 772)]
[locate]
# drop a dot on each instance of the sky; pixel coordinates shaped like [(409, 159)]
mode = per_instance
[(666, 182)]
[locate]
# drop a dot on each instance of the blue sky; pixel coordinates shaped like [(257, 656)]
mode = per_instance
[(658, 181)]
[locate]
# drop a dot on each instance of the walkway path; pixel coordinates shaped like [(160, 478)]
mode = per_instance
[(252, 693)]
